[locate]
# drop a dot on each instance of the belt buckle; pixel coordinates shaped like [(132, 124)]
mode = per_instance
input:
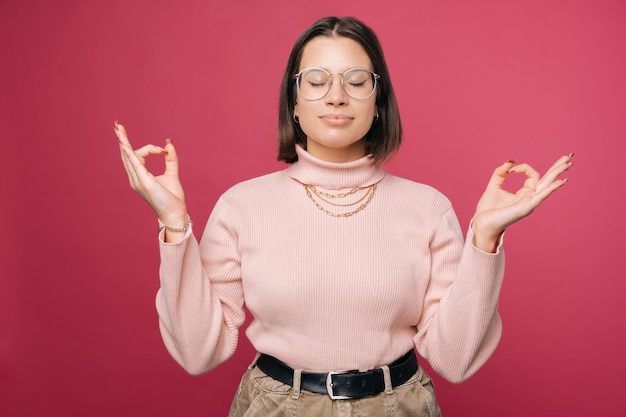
[(329, 385)]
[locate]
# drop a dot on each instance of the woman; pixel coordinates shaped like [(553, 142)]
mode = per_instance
[(342, 265)]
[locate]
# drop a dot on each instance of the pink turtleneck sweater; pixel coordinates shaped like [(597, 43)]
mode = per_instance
[(330, 293)]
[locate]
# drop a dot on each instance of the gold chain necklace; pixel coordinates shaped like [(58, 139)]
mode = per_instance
[(327, 198)]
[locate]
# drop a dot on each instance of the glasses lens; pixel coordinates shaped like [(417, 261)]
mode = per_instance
[(359, 83), (314, 83)]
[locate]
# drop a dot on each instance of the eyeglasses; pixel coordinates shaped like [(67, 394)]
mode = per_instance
[(358, 83)]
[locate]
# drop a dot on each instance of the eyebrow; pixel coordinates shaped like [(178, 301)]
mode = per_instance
[(343, 72)]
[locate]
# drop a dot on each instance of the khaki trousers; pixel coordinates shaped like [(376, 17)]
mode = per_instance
[(259, 395)]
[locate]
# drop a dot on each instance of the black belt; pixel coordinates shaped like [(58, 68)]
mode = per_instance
[(342, 384)]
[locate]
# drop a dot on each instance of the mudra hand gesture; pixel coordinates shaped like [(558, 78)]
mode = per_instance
[(164, 193), (497, 208)]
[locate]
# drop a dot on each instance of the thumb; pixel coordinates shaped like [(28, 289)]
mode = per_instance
[(171, 158)]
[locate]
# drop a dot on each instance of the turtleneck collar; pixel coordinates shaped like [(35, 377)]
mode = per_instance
[(334, 175)]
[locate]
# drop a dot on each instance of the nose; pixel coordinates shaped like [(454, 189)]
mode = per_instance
[(336, 95)]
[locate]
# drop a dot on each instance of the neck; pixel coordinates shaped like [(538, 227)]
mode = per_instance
[(344, 154)]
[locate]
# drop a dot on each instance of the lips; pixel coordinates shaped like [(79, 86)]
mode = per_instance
[(336, 119)]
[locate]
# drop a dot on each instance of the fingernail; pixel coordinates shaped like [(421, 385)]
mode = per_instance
[(571, 155), (511, 161), (169, 141)]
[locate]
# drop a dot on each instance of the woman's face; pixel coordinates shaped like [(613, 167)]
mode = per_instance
[(336, 124)]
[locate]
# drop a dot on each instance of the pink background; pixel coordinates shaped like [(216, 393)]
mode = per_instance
[(478, 82)]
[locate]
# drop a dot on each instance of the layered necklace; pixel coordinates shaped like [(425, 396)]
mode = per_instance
[(343, 204)]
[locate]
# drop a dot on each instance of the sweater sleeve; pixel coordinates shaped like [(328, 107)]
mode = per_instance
[(460, 326), (200, 302)]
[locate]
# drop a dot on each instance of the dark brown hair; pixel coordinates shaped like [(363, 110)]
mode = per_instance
[(385, 135)]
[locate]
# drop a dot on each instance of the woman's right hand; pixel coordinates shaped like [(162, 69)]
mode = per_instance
[(164, 193)]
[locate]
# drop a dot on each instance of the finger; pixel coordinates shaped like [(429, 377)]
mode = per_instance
[(500, 174), (127, 165), (546, 191), (120, 131), (130, 169), (136, 166), (171, 158), (559, 167), (532, 176), (566, 159), (146, 150)]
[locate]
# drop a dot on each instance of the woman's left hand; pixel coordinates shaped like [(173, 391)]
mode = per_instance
[(497, 208)]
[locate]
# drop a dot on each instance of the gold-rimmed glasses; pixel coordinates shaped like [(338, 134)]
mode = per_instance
[(358, 83)]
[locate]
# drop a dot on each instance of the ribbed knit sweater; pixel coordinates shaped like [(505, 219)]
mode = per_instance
[(329, 293)]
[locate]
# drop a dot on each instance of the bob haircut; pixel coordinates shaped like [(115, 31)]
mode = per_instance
[(384, 137)]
